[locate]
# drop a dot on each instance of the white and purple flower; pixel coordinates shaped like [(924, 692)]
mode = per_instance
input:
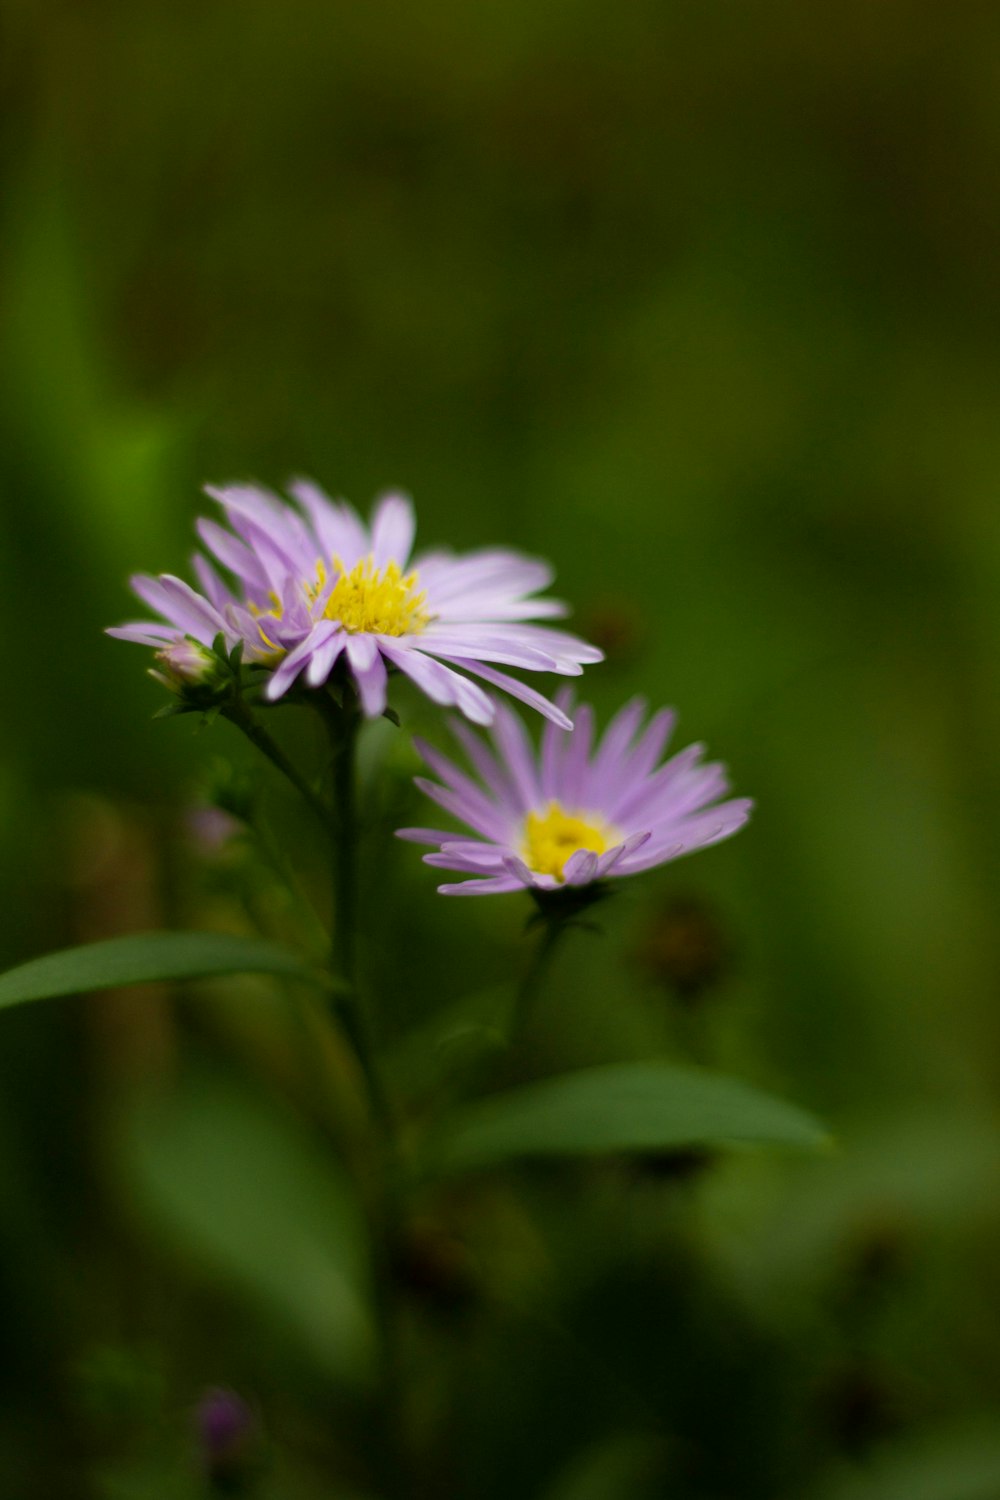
[(312, 585), (575, 813)]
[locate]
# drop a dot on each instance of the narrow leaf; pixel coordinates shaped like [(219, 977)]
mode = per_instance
[(142, 957), (958, 1464), (632, 1107)]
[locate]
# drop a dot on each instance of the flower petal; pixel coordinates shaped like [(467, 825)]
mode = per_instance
[(497, 885), (368, 671), (440, 682), (393, 530), (327, 643), (516, 689), (580, 868)]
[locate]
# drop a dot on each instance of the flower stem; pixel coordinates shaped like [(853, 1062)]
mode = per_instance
[(343, 723), (242, 716), (554, 924)]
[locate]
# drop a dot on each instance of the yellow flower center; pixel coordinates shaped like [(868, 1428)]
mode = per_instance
[(383, 601), (274, 653), (551, 837)]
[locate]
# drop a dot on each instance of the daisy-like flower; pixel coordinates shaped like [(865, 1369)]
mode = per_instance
[(577, 812), (310, 584)]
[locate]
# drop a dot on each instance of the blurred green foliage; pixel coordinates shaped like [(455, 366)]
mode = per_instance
[(701, 302)]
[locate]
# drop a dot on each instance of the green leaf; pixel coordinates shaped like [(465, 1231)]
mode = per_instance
[(237, 1184), (147, 956), (632, 1107)]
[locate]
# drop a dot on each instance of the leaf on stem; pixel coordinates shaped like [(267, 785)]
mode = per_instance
[(633, 1107), (142, 957)]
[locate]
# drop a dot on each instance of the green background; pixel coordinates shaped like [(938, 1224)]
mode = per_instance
[(700, 302)]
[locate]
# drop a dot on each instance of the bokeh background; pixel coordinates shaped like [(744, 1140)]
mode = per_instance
[(700, 301)]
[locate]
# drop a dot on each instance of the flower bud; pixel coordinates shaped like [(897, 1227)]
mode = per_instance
[(186, 665), (228, 1437)]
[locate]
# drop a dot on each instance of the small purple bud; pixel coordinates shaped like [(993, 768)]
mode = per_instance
[(226, 1429), (186, 664), (210, 830)]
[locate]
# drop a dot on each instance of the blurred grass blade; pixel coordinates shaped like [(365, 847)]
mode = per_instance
[(632, 1107), (944, 1465), (238, 1184), (142, 957), (622, 1465)]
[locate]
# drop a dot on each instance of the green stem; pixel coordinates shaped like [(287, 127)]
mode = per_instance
[(343, 745), (342, 726), (239, 714), (340, 821), (283, 872), (554, 924), (343, 723)]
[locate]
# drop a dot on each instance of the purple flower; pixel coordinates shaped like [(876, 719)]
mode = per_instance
[(575, 813), (312, 584)]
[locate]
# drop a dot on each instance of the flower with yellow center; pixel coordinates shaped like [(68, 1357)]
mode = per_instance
[(553, 836), (451, 623), (575, 811), (378, 601)]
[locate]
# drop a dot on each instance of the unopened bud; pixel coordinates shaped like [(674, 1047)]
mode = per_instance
[(186, 664), (228, 1436)]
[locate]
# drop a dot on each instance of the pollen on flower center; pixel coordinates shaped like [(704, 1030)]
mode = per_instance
[(552, 836), (384, 601)]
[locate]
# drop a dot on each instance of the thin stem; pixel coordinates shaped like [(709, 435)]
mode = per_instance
[(274, 858), (342, 727), (343, 745), (554, 924), (239, 714), (343, 723)]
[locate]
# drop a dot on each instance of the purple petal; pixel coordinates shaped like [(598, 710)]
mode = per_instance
[(651, 743), (496, 607), (482, 856), (608, 779), (369, 673), (287, 670), (424, 835), (580, 868), (555, 743), (635, 799), (486, 643), (490, 571), (145, 632), (609, 861), (451, 858), (439, 682), (492, 772), (517, 755), (573, 779), (570, 652), (450, 774), (516, 690), (234, 555), (393, 529), (178, 601), (212, 586), (338, 527), (694, 833), (327, 643), (256, 512), (477, 811), (519, 870), (497, 885)]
